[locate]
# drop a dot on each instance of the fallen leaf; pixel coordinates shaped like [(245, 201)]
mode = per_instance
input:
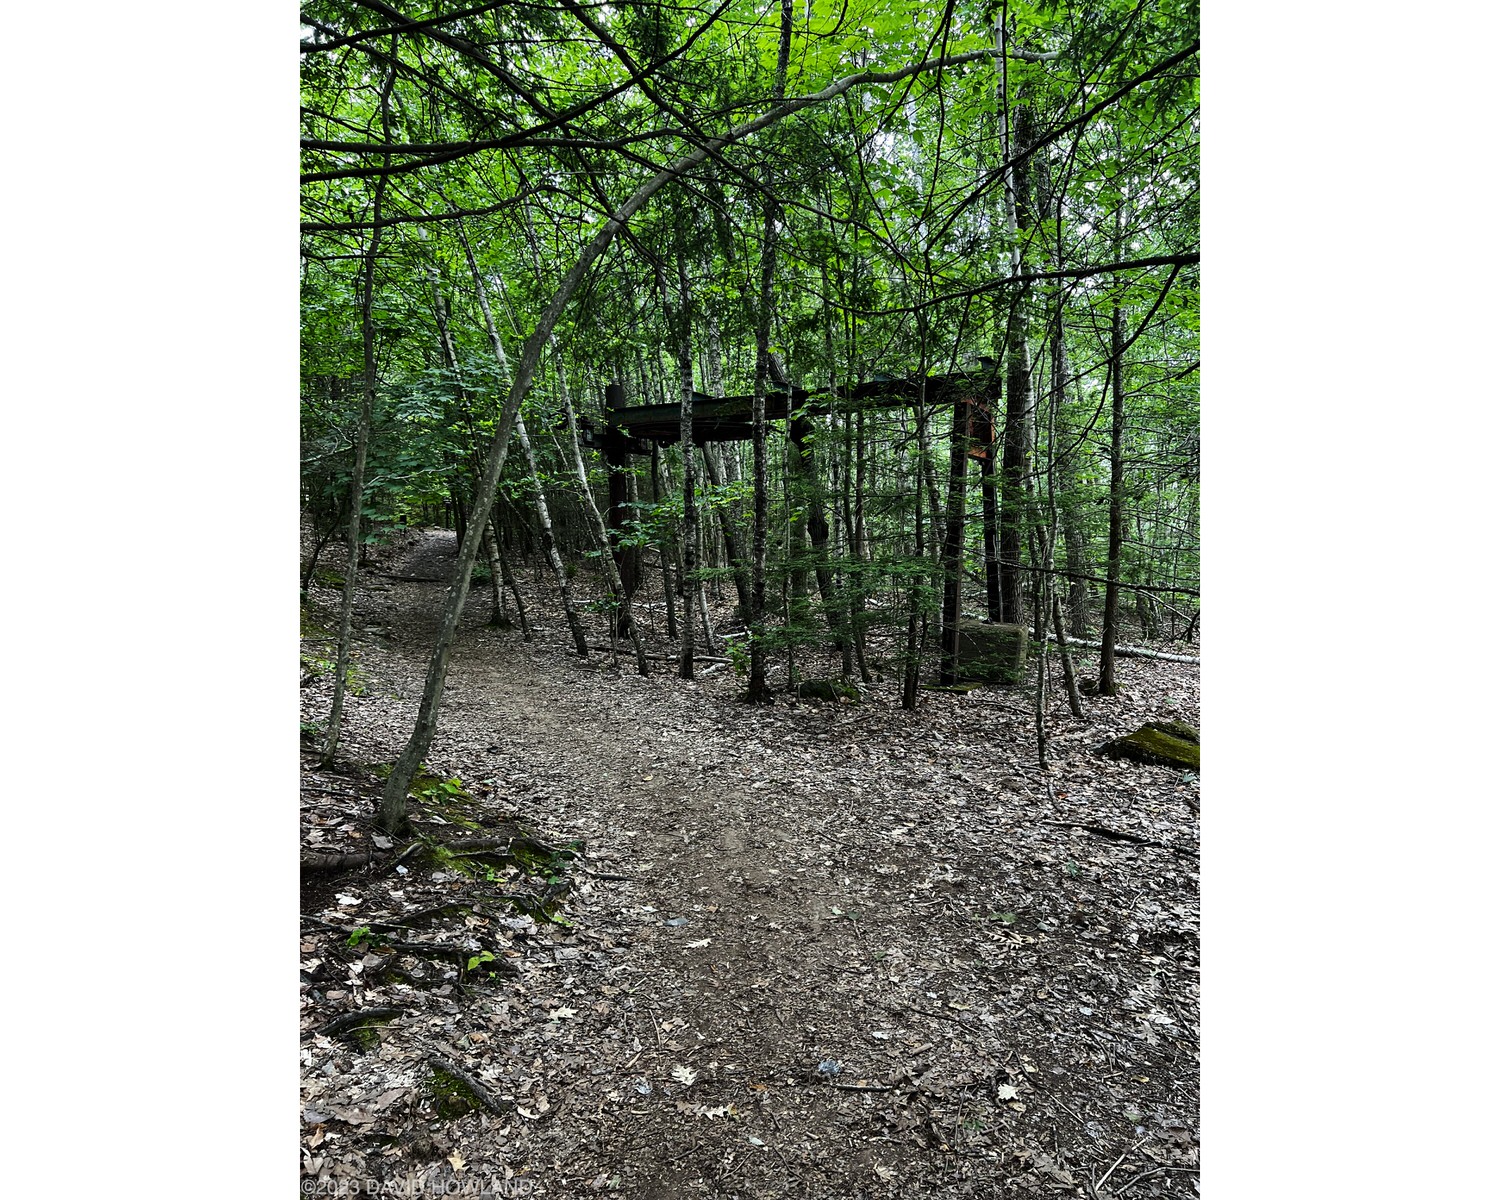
[(684, 1074), (703, 1110), (386, 1099)]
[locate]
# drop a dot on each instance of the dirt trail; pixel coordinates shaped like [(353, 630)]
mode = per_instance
[(743, 931), (847, 961)]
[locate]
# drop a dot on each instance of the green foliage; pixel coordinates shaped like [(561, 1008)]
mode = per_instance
[(891, 251), (317, 664), (452, 1097), (448, 797), (739, 657)]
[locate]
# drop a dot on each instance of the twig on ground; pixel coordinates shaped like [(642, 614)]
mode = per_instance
[(613, 878), (1135, 1179), (945, 1017), (1100, 1182), (1055, 1100), (1120, 836)]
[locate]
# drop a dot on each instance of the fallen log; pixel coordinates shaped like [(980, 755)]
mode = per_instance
[(328, 862), (1132, 651), (325, 862)]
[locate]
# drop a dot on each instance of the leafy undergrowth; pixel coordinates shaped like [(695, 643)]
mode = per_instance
[(818, 949)]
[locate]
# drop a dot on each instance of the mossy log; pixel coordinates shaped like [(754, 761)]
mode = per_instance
[(1150, 744), (992, 653), (1176, 729)]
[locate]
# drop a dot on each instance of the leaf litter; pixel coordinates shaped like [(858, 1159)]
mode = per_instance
[(849, 871)]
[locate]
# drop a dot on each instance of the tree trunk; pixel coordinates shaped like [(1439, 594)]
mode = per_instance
[(549, 542), (757, 691), (626, 616), (681, 322), (1075, 553), (539, 497), (668, 591), (1017, 440), (858, 544), (715, 474), (953, 543), (615, 573), (911, 675), (991, 535), (1075, 705), (810, 492), (1018, 401), (362, 442), (498, 534), (1108, 685), (450, 357)]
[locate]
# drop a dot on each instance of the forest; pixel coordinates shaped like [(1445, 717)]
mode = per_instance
[(750, 597)]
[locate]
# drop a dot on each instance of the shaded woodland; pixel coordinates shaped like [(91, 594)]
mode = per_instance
[(772, 375), (509, 209)]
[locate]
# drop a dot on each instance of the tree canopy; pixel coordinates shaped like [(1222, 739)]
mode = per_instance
[(507, 206)]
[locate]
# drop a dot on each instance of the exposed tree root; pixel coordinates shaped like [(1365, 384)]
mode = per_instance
[(353, 1020), (447, 1066)]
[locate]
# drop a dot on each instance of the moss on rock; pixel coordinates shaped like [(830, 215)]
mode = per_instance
[(992, 653), (832, 690), (1149, 744)]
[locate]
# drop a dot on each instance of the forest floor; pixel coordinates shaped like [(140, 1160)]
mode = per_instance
[(810, 950)]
